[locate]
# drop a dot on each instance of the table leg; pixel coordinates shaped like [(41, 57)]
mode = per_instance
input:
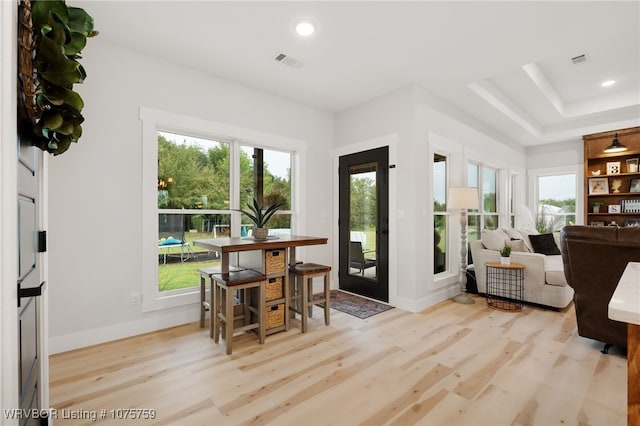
[(287, 288), (225, 263), (633, 374)]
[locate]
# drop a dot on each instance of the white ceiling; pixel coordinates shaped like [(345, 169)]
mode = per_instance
[(507, 64)]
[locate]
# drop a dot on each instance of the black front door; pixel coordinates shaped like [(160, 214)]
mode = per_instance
[(364, 223), (28, 281)]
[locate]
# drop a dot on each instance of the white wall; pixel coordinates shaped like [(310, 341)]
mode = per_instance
[(423, 124), (570, 153), (95, 187)]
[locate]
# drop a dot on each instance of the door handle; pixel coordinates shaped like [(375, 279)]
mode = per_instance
[(29, 292)]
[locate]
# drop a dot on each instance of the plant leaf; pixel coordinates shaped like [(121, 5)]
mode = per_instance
[(59, 31), (54, 67), (61, 95), (40, 10), (80, 21), (75, 45), (52, 120), (63, 144), (253, 218)]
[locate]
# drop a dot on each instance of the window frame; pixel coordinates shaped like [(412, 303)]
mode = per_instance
[(154, 120)]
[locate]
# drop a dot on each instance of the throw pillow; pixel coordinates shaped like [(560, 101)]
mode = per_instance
[(525, 236), (544, 244), (493, 240), (518, 246), (512, 233)]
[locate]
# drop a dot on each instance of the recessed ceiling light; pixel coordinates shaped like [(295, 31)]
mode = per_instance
[(305, 28), (608, 83)]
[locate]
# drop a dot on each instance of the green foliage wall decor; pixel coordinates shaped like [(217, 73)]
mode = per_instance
[(58, 33)]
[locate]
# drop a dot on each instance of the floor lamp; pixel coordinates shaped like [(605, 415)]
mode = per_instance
[(463, 199)]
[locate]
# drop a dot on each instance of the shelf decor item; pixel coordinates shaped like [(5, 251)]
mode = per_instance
[(634, 185), (596, 206), (616, 184), (613, 168), (598, 186), (632, 222), (614, 208), (632, 165)]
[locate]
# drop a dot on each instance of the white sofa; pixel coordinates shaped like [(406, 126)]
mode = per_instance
[(544, 280)]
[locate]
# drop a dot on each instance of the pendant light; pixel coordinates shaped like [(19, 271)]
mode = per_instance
[(615, 146)]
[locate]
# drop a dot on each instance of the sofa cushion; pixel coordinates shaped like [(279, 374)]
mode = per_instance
[(554, 271), (544, 244), (518, 246), (494, 239)]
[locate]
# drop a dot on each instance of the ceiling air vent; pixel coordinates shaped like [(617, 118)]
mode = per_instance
[(288, 60), (579, 59)]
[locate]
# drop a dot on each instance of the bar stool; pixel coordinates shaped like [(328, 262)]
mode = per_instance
[(301, 297), (252, 316), (205, 274)]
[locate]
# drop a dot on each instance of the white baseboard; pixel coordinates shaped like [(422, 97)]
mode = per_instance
[(96, 336), (433, 298)]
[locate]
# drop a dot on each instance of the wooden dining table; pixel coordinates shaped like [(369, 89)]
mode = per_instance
[(225, 246), (289, 243)]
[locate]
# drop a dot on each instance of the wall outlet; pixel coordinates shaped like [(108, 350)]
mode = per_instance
[(136, 298)]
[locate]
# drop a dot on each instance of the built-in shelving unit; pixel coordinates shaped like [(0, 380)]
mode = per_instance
[(612, 179)]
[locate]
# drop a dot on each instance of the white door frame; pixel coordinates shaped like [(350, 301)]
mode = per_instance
[(8, 211)]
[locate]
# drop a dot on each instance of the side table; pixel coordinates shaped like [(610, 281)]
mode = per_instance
[(505, 285)]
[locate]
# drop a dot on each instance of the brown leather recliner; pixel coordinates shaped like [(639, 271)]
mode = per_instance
[(594, 258)]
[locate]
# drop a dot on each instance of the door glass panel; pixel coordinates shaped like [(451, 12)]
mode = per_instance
[(363, 211)]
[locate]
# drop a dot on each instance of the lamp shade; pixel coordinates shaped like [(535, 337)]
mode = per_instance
[(463, 198)]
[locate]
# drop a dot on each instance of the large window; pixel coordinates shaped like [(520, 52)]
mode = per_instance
[(195, 175), (439, 213), (556, 202), (194, 181), (486, 180)]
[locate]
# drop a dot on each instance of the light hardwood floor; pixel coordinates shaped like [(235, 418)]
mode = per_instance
[(451, 364)]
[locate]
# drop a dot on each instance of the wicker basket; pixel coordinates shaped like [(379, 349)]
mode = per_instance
[(275, 316), (274, 261), (274, 289)]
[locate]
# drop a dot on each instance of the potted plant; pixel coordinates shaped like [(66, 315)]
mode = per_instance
[(52, 36), (596, 206), (260, 216), (505, 253)]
